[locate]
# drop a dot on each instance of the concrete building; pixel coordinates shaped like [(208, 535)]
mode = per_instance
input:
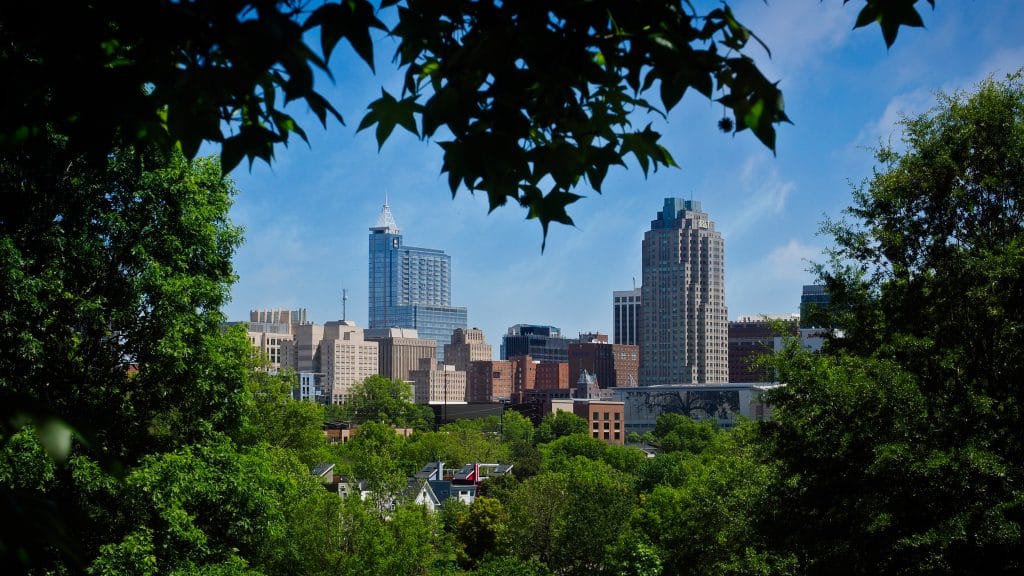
[(345, 358), (438, 384), (302, 353), (613, 365), (410, 287), (269, 331), (751, 337), (489, 380), (626, 316), (684, 320), (721, 403), (400, 351), (467, 345), (543, 343)]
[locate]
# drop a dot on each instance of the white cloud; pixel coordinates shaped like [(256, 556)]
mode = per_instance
[(885, 129), (766, 195), (757, 286), (799, 34)]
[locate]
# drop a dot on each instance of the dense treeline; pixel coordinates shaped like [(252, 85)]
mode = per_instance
[(138, 437)]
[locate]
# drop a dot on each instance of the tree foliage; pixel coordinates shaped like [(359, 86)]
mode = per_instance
[(901, 448), (112, 279), (559, 424), (378, 399), (527, 104)]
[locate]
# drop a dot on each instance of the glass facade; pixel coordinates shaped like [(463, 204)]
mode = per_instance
[(410, 287)]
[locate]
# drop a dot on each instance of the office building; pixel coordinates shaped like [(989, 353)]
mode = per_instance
[(269, 332), (752, 337), (399, 351), (551, 376), (542, 343), (346, 359), (410, 287), (489, 380), (435, 383), (467, 345), (684, 320), (302, 352), (612, 365), (626, 316), (723, 404)]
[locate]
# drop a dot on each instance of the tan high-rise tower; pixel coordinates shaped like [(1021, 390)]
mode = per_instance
[(684, 326)]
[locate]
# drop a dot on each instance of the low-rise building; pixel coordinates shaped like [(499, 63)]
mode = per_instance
[(606, 419)]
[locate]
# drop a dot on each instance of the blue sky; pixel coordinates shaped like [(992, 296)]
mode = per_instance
[(307, 216)]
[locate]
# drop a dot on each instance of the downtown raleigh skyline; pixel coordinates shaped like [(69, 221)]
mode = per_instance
[(674, 327)]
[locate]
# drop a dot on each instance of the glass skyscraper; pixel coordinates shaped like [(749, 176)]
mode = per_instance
[(410, 287)]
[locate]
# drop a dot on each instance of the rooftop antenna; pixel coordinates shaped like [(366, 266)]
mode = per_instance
[(344, 301), (634, 283)]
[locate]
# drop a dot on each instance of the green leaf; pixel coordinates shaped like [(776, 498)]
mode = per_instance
[(548, 208), (890, 15), (387, 112), (350, 19), (644, 147)]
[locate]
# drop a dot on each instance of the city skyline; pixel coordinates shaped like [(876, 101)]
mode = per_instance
[(306, 216)]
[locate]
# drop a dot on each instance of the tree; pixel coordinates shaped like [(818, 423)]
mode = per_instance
[(215, 508), (378, 399), (374, 455), (703, 513), (568, 519), (112, 279), (407, 544), (911, 421), (559, 424), (535, 102), (483, 527), (457, 443), (270, 415), (675, 432)]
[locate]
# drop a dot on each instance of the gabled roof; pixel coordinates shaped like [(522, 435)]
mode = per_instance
[(420, 491), (323, 470), (432, 471)]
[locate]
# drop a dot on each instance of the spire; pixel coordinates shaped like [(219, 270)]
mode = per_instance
[(385, 221)]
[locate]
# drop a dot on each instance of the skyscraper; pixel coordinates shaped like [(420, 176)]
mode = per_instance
[(410, 287), (684, 321), (626, 316)]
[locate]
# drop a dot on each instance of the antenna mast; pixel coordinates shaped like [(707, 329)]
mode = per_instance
[(344, 302)]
